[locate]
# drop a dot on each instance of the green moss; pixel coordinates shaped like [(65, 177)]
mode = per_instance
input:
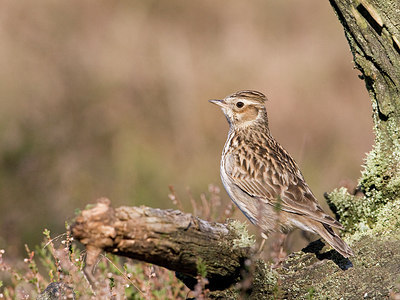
[(230, 293), (380, 178), (350, 209), (387, 222), (265, 285), (244, 239), (201, 267), (355, 213), (265, 282), (360, 215), (311, 292), (379, 182), (374, 271)]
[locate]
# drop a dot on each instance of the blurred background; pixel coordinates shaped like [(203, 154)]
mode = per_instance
[(109, 98)]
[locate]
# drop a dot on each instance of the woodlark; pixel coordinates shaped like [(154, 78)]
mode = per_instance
[(263, 180)]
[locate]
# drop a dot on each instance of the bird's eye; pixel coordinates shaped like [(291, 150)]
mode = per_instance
[(240, 104)]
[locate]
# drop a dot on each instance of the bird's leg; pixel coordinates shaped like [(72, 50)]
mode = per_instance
[(278, 254), (264, 238), (260, 249)]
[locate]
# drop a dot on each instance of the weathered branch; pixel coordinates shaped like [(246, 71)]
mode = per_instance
[(168, 238)]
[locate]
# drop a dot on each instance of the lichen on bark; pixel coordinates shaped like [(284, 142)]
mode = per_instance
[(373, 35)]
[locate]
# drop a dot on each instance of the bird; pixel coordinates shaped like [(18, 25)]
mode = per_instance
[(263, 180)]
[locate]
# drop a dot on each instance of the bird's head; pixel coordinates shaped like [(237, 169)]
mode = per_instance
[(243, 108)]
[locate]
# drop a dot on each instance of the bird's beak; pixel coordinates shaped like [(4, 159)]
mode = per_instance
[(221, 103)]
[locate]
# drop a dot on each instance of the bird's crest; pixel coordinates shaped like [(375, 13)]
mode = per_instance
[(253, 96)]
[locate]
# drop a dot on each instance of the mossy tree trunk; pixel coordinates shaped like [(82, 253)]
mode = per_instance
[(373, 31)]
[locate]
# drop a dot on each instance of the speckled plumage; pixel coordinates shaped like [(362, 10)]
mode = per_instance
[(260, 176)]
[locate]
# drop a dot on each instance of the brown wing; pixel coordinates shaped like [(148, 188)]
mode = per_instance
[(270, 174)]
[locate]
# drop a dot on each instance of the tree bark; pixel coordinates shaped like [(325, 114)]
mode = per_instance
[(373, 32), (169, 238)]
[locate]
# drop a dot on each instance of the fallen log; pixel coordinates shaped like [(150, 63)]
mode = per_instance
[(169, 238), (223, 254)]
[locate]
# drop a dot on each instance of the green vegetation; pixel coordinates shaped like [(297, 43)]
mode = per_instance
[(244, 239)]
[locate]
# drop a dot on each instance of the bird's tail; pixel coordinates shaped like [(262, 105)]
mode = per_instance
[(327, 233)]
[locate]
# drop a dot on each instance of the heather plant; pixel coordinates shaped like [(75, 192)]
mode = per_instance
[(57, 266)]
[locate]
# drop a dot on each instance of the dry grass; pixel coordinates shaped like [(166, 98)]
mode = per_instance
[(61, 263)]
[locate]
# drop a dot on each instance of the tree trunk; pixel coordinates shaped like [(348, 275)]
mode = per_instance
[(186, 244), (373, 32)]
